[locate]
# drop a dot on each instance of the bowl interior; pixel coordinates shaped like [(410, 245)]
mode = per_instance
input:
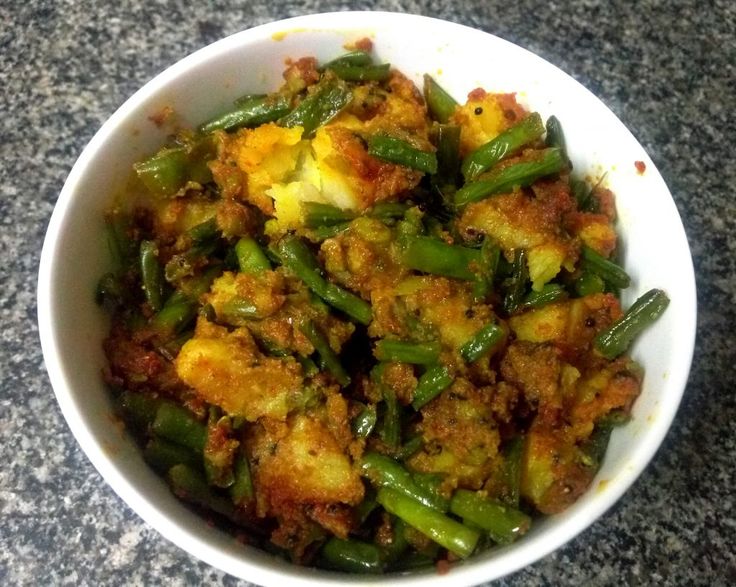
[(204, 84)]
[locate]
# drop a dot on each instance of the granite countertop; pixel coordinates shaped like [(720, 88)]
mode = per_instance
[(665, 68)]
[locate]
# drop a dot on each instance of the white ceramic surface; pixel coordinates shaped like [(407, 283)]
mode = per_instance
[(205, 83)]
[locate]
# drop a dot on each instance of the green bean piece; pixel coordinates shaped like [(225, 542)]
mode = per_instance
[(432, 382), (490, 255), (164, 173), (550, 292), (401, 152), (365, 422), (481, 342), (322, 233), (386, 211), (325, 352), (431, 483), (610, 272), (504, 524), (440, 104), (593, 449), (410, 447), (412, 561), (513, 453), (317, 214), (556, 136), (445, 531), (238, 309), (448, 153), (318, 108), (383, 471), (508, 143), (176, 315), (162, 455), (295, 255), (251, 258), (366, 507), (151, 275), (179, 425), (191, 486), (204, 232), (581, 192), (354, 58), (390, 432), (615, 340), (401, 351), (352, 556), (119, 243), (241, 491), (361, 73), (251, 111), (519, 278), (522, 174), (589, 283), (431, 255), (138, 409)]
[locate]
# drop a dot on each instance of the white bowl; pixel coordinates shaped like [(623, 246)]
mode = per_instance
[(72, 327)]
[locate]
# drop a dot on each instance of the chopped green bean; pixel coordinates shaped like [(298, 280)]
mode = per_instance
[(445, 531), (416, 353), (522, 174), (556, 136), (589, 283), (162, 455), (326, 354), (139, 409), (431, 255), (448, 153), (298, 258), (355, 58), (507, 143), (384, 471), (361, 73), (241, 490), (151, 275), (481, 342), (433, 382), (164, 173), (251, 111), (512, 455), (352, 556), (503, 523), (179, 425), (615, 340), (608, 270), (550, 292), (401, 152), (251, 258), (191, 486), (319, 108), (365, 422), (317, 214), (519, 278), (440, 104), (410, 447)]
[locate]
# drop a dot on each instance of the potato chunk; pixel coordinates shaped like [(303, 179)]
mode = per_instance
[(230, 373), (306, 465)]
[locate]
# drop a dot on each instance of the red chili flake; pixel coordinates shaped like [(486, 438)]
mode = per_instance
[(640, 167), (160, 117)]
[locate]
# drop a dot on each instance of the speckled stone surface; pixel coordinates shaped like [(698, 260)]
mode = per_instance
[(665, 68)]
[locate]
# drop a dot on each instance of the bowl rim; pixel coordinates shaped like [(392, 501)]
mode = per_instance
[(523, 553)]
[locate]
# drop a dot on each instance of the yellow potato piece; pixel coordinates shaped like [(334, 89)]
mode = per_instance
[(227, 373)]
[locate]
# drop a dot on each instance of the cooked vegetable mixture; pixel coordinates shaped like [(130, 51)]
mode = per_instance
[(367, 328)]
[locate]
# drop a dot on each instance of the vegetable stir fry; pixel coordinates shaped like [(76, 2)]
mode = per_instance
[(369, 328)]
